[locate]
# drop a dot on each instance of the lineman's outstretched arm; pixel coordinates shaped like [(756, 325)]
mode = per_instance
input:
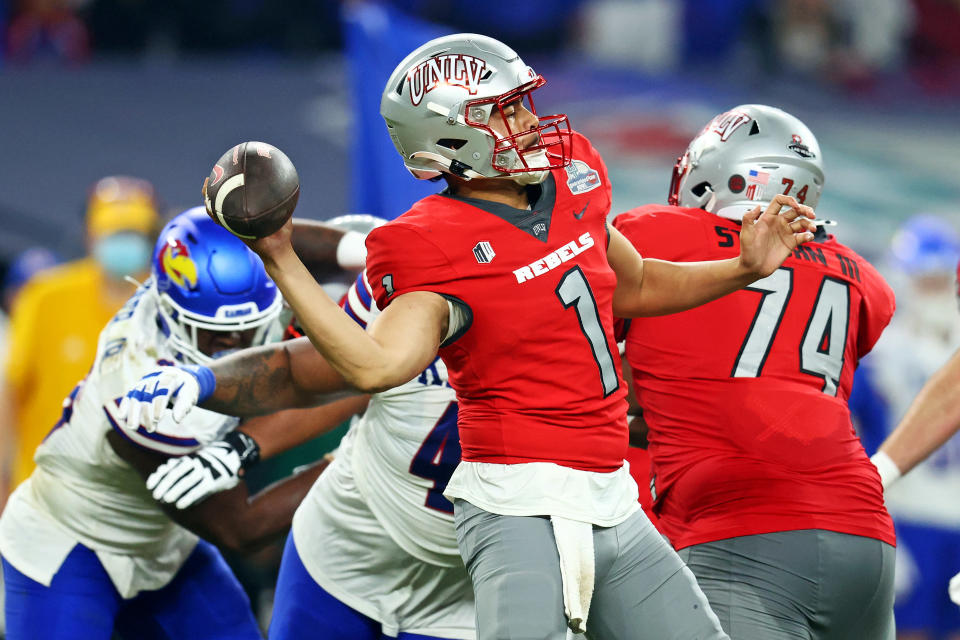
[(262, 380), (188, 479), (232, 518), (279, 432), (400, 343), (327, 251), (933, 417), (649, 287)]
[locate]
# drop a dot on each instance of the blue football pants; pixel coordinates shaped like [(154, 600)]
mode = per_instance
[(302, 609), (204, 601)]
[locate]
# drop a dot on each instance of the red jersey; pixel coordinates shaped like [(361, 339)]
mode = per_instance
[(536, 372), (746, 396)]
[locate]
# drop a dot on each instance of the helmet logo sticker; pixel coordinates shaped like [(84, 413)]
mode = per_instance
[(455, 70), (736, 183), (796, 145), (176, 263), (483, 252), (726, 123), (581, 178)]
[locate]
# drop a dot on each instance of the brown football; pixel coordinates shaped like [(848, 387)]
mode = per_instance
[(252, 190)]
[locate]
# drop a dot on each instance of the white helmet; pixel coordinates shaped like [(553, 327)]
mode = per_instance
[(743, 158), (438, 101)]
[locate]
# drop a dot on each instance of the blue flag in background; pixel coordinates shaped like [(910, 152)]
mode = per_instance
[(377, 39)]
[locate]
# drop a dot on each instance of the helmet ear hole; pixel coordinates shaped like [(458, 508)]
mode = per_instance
[(754, 128), (451, 143), (700, 188)]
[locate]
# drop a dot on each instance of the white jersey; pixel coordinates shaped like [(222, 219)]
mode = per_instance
[(405, 447), (385, 489), (83, 492)]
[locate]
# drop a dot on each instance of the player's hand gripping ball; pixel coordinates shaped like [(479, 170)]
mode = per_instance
[(252, 190)]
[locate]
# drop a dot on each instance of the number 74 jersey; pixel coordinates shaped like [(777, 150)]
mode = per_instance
[(746, 396)]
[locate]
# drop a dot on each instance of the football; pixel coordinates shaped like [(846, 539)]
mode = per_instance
[(252, 190)]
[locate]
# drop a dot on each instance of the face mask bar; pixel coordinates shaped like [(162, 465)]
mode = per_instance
[(183, 326), (555, 128), (676, 180)]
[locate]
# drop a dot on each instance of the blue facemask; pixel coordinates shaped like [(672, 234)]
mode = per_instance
[(123, 254)]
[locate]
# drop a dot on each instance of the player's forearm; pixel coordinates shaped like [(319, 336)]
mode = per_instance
[(266, 379), (245, 525), (363, 362), (279, 432), (933, 417), (241, 523), (671, 287)]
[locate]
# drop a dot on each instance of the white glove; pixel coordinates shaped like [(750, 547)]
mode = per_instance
[(185, 481), (954, 589), (153, 394)]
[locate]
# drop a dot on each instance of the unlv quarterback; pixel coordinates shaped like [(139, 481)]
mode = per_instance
[(513, 275), (760, 480), (86, 551)]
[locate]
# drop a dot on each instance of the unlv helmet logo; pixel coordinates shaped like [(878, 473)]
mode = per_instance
[(457, 70), (726, 123)]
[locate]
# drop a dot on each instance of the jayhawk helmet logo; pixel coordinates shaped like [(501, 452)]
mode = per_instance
[(178, 265)]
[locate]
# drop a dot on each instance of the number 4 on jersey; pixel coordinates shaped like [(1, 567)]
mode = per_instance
[(824, 339), (438, 456)]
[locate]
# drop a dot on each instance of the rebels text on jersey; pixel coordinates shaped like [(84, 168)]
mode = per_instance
[(746, 397), (535, 371)]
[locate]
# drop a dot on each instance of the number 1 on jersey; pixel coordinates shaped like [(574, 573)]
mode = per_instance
[(574, 291)]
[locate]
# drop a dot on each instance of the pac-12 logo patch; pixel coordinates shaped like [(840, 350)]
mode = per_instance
[(483, 252), (581, 178)]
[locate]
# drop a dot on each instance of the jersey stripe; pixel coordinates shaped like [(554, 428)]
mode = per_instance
[(169, 445)]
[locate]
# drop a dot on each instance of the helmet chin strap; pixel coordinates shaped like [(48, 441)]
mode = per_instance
[(711, 201), (444, 163), (537, 160)]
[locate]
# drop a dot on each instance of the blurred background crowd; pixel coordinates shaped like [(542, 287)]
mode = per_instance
[(113, 111)]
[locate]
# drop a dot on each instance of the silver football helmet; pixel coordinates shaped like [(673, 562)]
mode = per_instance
[(743, 158), (438, 102)]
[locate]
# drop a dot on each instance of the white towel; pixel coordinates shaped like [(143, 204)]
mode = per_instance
[(575, 546)]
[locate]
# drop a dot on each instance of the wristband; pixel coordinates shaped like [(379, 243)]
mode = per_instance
[(206, 379), (245, 446), (352, 251), (888, 469)]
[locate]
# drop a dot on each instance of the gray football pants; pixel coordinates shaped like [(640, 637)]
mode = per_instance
[(798, 585), (642, 589)]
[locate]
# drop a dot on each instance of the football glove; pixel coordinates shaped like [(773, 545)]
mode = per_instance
[(180, 388), (184, 481)]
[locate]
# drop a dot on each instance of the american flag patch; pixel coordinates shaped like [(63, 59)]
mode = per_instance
[(760, 177)]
